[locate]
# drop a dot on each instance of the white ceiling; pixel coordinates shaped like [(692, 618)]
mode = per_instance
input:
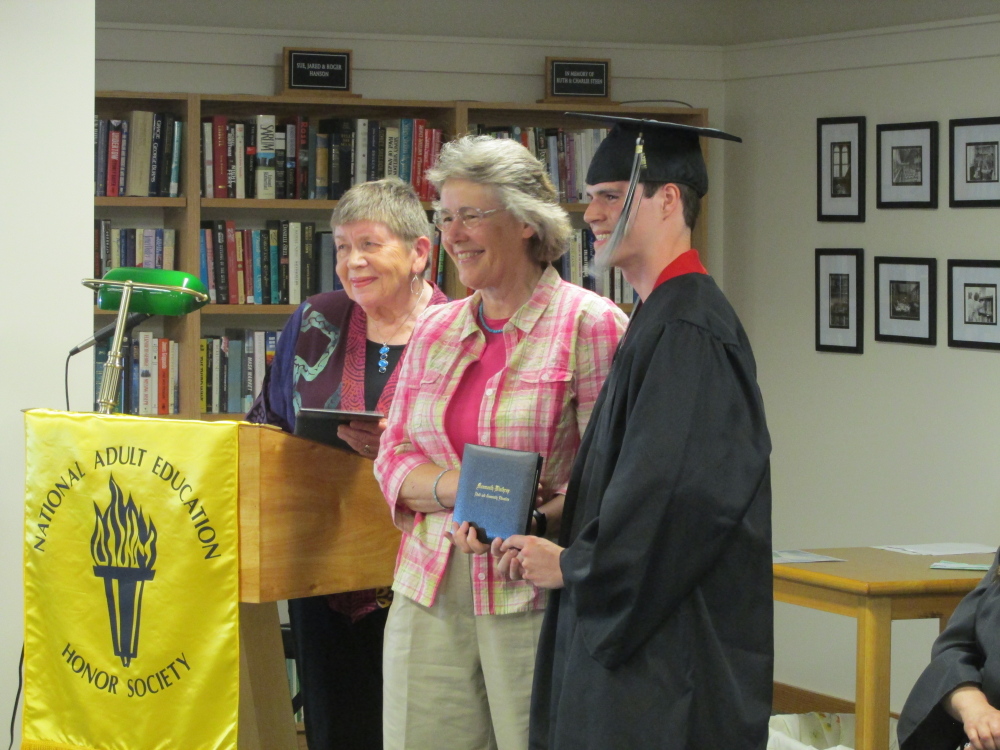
[(702, 22)]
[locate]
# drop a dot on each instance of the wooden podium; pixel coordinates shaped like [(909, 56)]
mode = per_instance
[(312, 521)]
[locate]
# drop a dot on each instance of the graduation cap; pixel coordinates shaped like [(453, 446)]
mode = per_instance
[(668, 151), (651, 151)]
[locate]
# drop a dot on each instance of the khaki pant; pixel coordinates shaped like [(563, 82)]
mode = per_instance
[(451, 679)]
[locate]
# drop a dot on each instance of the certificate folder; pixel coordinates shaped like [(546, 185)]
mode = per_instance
[(496, 490), (321, 425)]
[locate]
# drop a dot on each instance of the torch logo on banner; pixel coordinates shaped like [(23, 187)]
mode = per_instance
[(124, 549)]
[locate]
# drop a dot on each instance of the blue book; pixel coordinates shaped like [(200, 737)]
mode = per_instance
[(158, 249), (234, 376), (406, 149), (258, 295), (203, 255), (175, 164), (273, 232), (496, 490), (327, 261)]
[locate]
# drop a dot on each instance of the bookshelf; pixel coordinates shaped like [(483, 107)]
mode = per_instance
[(185, 214)]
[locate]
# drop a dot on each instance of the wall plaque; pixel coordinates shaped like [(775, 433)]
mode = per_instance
[(317, 70), (582, 79)]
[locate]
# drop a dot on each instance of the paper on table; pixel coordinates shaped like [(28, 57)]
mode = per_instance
[(941, 548), (799, 556), (949, 565)]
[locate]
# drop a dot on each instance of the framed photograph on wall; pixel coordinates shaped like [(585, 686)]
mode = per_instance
[(840, 291), (973, 321), (973, 156), (840, 169), (906, 300), (907, 165)]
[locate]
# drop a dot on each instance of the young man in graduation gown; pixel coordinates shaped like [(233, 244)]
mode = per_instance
[(659, 631)]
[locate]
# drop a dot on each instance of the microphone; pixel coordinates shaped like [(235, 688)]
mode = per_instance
[(103, 333)]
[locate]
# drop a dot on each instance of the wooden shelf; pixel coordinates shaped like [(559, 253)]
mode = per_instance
[(216, 309), (132, 202)]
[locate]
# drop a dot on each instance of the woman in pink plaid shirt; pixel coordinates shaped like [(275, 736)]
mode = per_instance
[(518, 364)]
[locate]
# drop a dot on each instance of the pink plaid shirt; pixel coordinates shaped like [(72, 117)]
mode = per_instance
[(559, 347)]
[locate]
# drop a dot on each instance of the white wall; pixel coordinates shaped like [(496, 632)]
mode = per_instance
[(46, 210), (898, 445)]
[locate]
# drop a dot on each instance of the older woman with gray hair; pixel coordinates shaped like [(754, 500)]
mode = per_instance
[(340, 350), (518, 364)]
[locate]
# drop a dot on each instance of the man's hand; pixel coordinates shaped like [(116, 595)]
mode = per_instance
[(530, 558), (364, 437)]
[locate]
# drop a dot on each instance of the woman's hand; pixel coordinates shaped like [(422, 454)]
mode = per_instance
[(529, 558), (364, 437), (464, 537), (981, 722)]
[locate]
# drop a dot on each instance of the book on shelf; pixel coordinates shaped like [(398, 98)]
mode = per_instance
[(391, 149), (207, 160), (376, 150), (256, 268), (140, 146), (294, 262), (100, 156), (206, 263), (309, 267), (291, 157), (241, 267), (220, 157), (264, 178), (156, 154), (283, 263), (238, 168), (406, 150), (327, 265), (280, 164), (321, 189), (174, 182), (123, 157), (114, 162), (231, 263), (360, 150), (273, 229), (302, 159)]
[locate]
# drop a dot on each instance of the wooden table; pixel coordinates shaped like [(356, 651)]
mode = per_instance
[(876, 587)]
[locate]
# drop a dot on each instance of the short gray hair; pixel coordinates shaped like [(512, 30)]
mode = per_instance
[(391, 202), (520, 181)]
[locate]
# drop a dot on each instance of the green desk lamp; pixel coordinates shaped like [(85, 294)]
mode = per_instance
[(153, 291)]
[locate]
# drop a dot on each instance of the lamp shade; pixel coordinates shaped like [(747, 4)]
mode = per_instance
[(156, 291)]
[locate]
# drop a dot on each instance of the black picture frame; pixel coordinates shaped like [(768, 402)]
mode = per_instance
[(906, 300), (973, 315), (974, 162), (840, 168), (906, 166), (840, 300)]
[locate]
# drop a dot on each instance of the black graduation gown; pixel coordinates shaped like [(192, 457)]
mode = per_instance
[(968, 650), (663, 634)]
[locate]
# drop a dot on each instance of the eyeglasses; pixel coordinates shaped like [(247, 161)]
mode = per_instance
[(467, 217)]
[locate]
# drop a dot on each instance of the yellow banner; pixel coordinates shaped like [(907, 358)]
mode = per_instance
[(131, 583)]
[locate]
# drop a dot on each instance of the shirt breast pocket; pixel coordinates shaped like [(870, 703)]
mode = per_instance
[(539, 397)]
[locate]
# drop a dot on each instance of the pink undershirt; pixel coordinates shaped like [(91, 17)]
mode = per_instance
[(461, 417)]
